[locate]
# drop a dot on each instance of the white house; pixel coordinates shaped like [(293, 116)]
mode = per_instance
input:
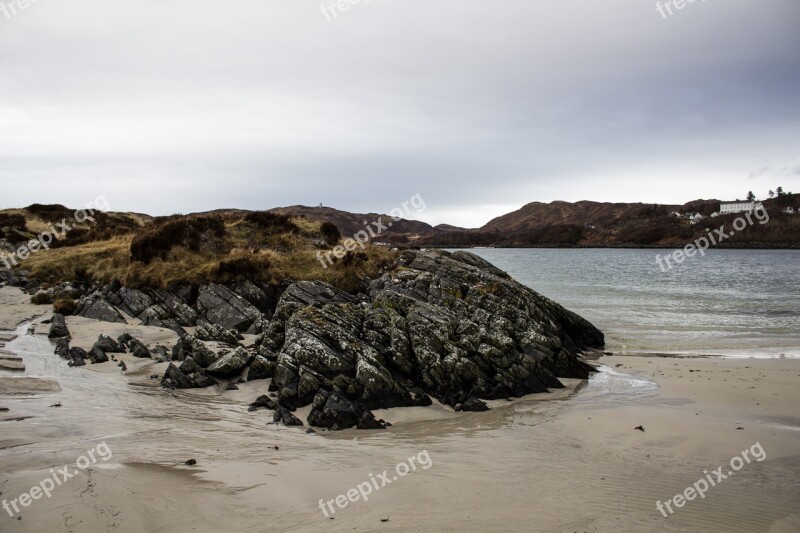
[(731, 208), (788, 210)]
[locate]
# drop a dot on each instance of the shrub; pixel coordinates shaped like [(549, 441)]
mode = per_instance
[(271, 222), (41, 298), (189, 232), (242, 267), (331, 233), (65, 306), (12, 221)]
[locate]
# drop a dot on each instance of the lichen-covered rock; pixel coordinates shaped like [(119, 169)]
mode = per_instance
[(215, 332), (446, 325), (189, 345), (219, 305), (261, 368), (231, 363), (96, 307)]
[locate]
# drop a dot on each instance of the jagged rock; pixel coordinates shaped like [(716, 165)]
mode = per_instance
[(97, 355), (96, 307), (231, 363), (62, 348), (261, 368), (332, 410), (473, 405), (160, 353), (58, 327), (214, 332), (109, 345), (219, 305), (176, 378), (123, 366), (160, 316), (367, 421), (77, 356), (132, 301), (282, 414), (188, 366), (263, 402), (124, 339), (446, 325), (138, 349), (188, 345)]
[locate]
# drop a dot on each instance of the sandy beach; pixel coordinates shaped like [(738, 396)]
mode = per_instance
[(571, 460)]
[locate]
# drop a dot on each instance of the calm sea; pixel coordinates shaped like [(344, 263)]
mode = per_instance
[(739, 303)]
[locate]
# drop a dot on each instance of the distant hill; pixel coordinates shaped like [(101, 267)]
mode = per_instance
[(588, 223), (402, 232)]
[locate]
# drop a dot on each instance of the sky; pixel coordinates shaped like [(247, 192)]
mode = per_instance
[(178, 106)]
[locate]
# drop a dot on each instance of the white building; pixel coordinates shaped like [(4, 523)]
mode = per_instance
[(731, 208), (788, 210)]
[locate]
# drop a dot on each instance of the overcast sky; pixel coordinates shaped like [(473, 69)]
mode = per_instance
[(169, 106)]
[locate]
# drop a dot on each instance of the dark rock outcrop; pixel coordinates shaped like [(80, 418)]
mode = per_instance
[(221, 306), (436, 324), (446, 325)]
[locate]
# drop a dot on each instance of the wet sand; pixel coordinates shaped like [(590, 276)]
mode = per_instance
[(567, 461)]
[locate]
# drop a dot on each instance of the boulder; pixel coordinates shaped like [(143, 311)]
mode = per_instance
[(263, 402), (282, 414), (230, 364), (219, 305), (62, 348), (138, 349), (261, 368), (175, 378), (214, 332), (96, 307), (97, 355), (58, 327), (109, 345), (447, 325)]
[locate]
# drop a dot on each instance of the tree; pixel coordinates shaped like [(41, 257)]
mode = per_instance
[(751, 197), (779, 190), (771, 193)]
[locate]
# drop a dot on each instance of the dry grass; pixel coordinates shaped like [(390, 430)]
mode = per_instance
[(243, 252)]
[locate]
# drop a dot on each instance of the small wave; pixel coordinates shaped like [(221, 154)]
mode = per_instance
[(609, 384)]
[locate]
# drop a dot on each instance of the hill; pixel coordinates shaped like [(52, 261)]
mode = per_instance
[(622, 224)]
